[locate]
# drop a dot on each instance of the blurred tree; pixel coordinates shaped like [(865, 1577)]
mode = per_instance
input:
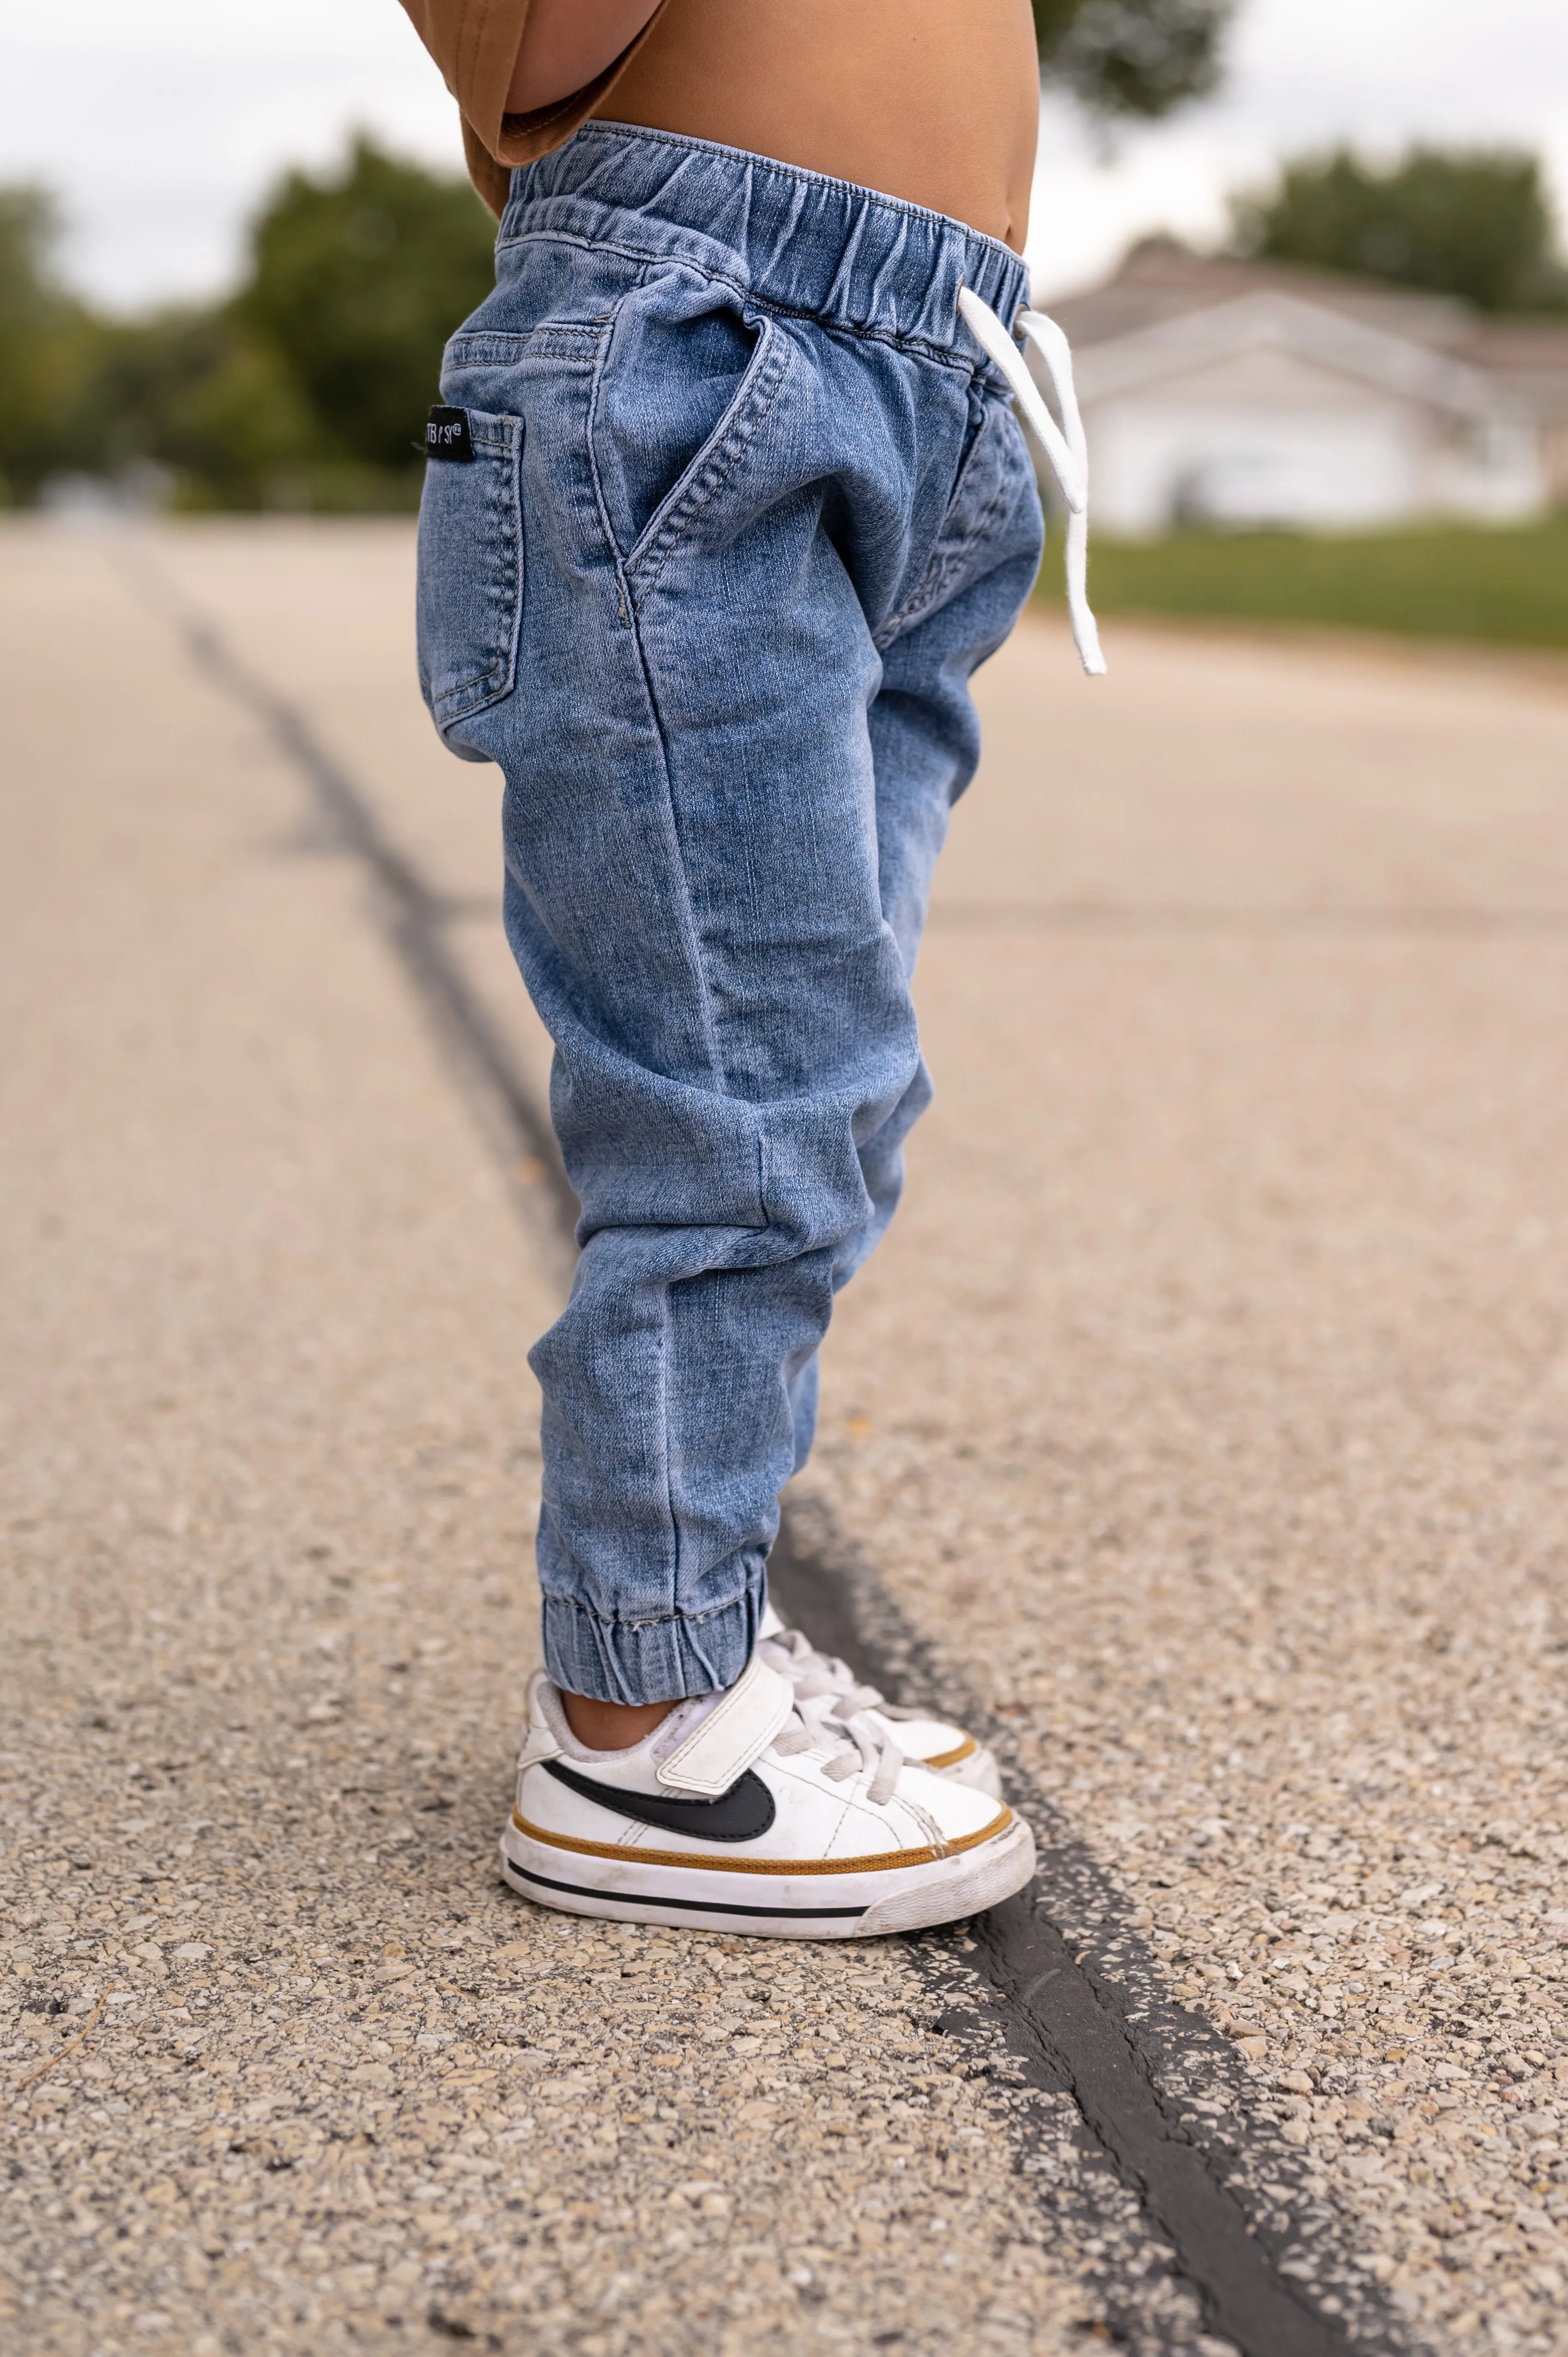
[(1131, 57), (357, 279), (42, 338), (308, 388), (196, 392), (1473, 222)]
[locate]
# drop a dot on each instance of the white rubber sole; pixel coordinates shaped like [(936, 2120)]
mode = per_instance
[(778, 1907)]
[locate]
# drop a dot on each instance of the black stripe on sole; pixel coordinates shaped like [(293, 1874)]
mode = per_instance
[(698, 1906)]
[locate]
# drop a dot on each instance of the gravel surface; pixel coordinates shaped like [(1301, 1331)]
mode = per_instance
[(1209, 1400), (1206, 1409), (288, 2068)]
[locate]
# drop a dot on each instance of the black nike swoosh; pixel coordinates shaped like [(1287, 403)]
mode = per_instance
[(743, 1814)]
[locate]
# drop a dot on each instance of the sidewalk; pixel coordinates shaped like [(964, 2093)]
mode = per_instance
[(1205, 1412), (1208, 1403), (270, 1475)]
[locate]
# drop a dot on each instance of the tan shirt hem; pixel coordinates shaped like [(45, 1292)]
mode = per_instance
[(476, 45)]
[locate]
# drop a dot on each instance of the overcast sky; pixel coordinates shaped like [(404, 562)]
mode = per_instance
[(159, 125)]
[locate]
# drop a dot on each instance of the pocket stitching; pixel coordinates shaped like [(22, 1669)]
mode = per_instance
[(497, 679), (711, 465), (500, 348)]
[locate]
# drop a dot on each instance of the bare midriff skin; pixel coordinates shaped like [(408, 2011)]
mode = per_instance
[(934, 101)]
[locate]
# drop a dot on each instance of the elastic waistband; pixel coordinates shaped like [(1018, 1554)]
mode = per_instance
[(798, 241)]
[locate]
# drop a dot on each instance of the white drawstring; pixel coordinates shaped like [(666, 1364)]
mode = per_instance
[(1064, 446)]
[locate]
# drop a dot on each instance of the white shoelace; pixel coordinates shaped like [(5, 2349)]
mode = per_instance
[(1063, 445), (815, 1674), (856, 1745)]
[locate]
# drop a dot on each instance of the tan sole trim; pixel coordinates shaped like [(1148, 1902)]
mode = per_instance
[(965, 1750), (884, 1862)]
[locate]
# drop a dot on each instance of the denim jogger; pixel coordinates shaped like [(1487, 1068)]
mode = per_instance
[(745, 508)]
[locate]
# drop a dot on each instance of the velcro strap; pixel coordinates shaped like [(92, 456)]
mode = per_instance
[(736, 1732)]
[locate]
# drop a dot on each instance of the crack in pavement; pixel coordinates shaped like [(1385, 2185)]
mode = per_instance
[(412, 917), (1226, 2212), (1260, 2248)]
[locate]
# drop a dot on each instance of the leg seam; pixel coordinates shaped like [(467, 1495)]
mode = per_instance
[(688, 915)]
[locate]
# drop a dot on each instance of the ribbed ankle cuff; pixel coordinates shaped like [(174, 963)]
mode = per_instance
[(649, 1661)]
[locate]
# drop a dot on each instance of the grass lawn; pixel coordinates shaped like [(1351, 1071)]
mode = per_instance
[(1508, 585)]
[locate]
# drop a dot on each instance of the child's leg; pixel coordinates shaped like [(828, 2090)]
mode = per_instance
[(714, 1095), (771, 511)]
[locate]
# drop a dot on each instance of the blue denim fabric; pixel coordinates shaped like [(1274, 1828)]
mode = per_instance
[(747, 508)]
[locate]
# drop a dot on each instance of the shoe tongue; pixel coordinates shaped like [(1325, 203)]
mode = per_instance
[(770, 1625), (733, 1735)]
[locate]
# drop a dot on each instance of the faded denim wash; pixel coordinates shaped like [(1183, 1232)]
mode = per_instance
[(747, 508)]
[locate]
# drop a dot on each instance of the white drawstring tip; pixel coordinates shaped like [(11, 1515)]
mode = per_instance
[(1085, 629), (1064, 446), (1085, 634)]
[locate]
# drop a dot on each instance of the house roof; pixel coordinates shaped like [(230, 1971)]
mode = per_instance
[(1530, 358), (1333, 342), (1162, 280), (1168, 307)]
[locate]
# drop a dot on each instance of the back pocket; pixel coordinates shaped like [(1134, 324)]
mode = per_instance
[(469, 605)]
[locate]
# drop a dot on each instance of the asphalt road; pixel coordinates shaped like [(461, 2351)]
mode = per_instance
[(1203, 1418)]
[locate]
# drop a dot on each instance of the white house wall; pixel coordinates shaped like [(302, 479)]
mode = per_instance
[(1276, 429), (1154, 458)]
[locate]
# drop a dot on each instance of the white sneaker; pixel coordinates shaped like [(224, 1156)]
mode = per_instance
[(932, 1743), (754, 1812)]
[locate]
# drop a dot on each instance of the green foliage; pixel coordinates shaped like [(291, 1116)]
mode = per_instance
[(1131, 57), (1472, 222), (1508, 584), (356, 282), (186, 391), (309, 386), (308, 389), (42, 336)]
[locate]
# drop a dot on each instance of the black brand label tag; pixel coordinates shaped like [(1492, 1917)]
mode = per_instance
[(446, 434)]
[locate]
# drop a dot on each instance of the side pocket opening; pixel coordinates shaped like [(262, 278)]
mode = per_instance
[(679, 382), (469, 602)]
